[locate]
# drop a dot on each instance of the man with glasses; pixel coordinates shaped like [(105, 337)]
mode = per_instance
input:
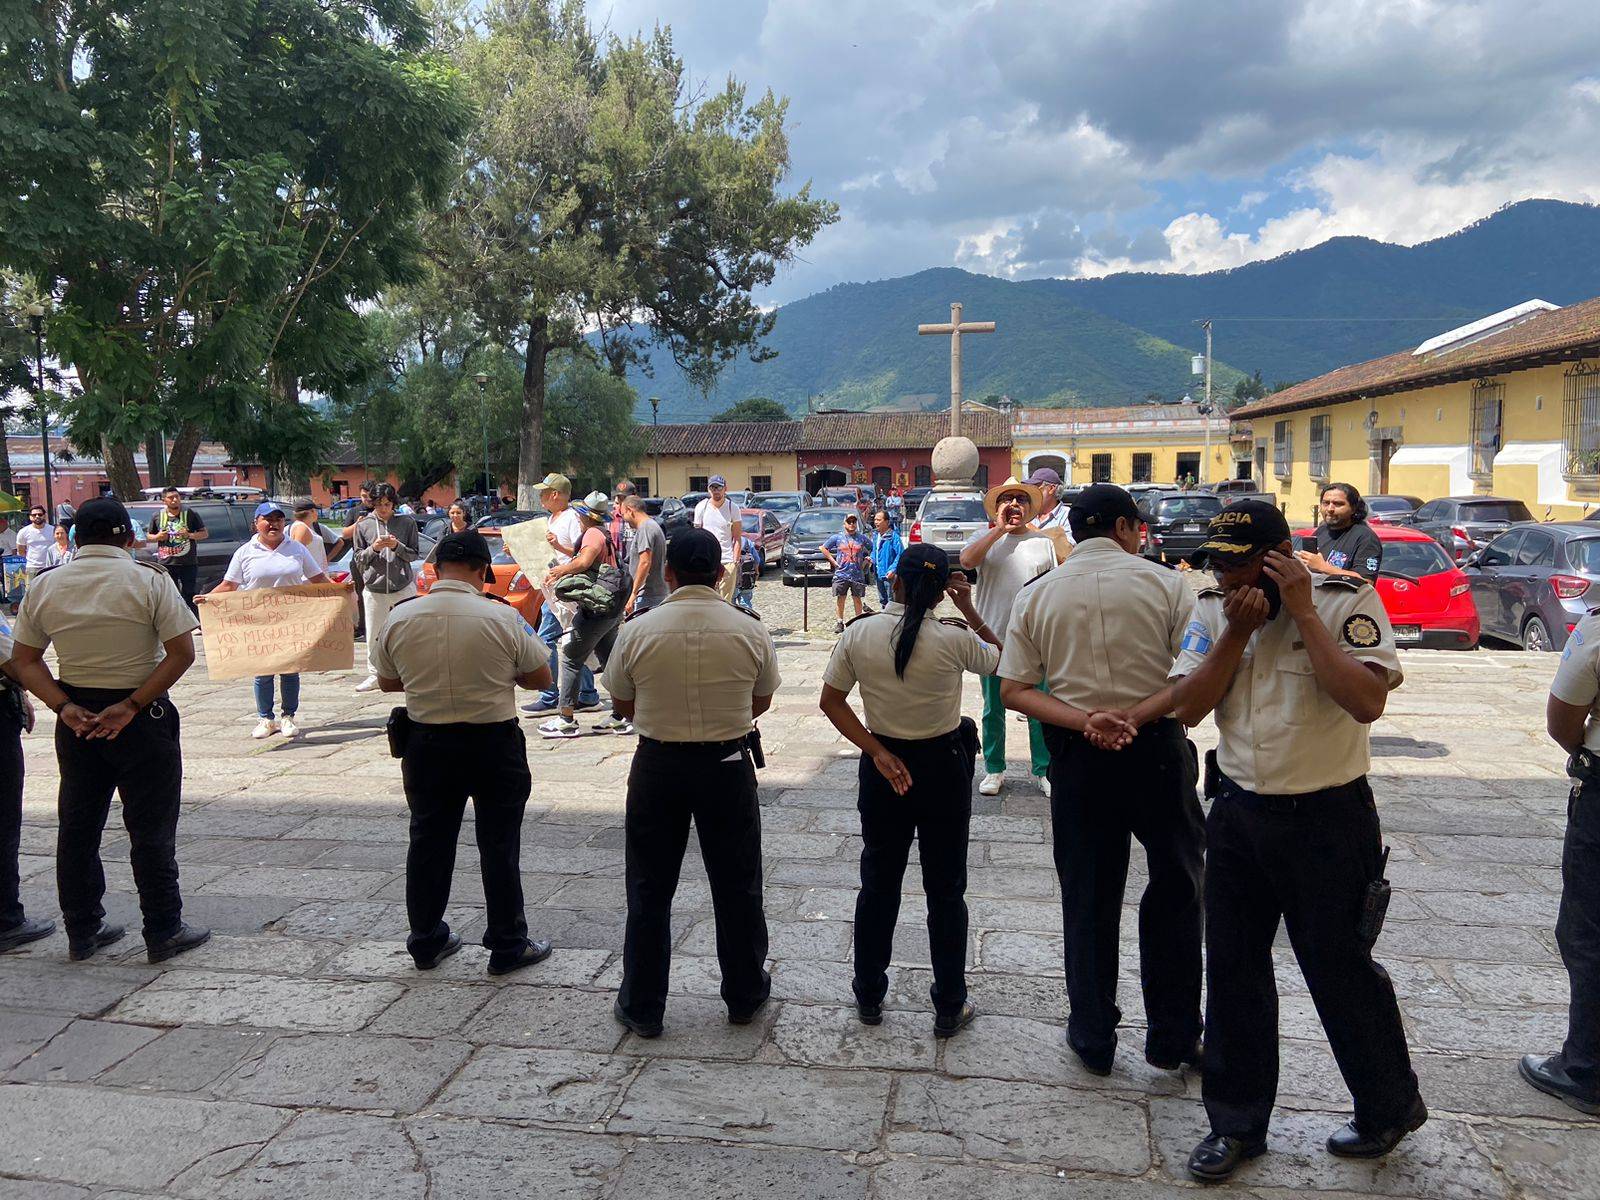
[(35, 539), (719, 515)]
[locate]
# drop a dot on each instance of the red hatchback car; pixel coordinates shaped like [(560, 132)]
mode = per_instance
[(1428, 598)]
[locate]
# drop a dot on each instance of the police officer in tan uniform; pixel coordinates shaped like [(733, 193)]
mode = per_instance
[(1296, 667), (123, 636), (918, 754), (459, 655), (1102, 630), (692, 674)]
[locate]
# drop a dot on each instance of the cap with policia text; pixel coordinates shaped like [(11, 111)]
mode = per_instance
[(694, 552), (102, 517), (1241, 530), (468, 546)]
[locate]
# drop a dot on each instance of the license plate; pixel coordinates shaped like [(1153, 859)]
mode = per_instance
[(1191, 529), (1407, 635)]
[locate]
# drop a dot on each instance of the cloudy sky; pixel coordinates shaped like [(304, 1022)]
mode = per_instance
[(1028, 138)]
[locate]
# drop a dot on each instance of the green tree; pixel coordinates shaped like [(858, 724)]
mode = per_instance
[(1249, 388), (210, 189), (598, 200), (754, 408)]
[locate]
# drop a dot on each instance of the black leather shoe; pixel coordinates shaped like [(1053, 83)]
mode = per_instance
[(533, 952), (1095, 1064), (25, 931), (187, 938), (1550, 1076), (949, 1025), (452, 943), (1194, 1056), (869, 1014), (79, 949), (744, 1016), (1218, 1156), (643, 1029), (1354, 1142)]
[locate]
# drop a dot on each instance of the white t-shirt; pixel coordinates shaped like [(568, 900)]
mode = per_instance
[(1014, 560), (316, 546), (719, 521), (35, 543), (255, 566)]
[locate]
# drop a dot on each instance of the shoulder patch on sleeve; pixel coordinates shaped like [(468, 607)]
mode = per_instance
[(956, 622), (1196, 637), (1362, 632)]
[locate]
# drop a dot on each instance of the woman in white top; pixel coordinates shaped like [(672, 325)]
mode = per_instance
[(308, 532), (268, 560)]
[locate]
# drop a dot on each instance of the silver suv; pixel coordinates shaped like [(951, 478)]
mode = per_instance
[(949, 520)]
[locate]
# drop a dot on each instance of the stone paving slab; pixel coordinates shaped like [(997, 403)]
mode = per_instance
[(300, 1055)]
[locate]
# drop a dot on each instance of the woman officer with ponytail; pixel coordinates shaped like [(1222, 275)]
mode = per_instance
[(917, 758)]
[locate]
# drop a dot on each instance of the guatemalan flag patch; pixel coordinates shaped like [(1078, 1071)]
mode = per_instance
[(1196, 638)]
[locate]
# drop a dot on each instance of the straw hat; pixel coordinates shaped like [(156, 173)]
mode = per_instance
[(991, 498)]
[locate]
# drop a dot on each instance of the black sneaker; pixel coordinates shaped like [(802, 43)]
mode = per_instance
[(187, 938), (948, 1025), (25, 931), (79, 949), (538, 708), (1550, 1076), (531, 953), (452, 943), (644, 1029)]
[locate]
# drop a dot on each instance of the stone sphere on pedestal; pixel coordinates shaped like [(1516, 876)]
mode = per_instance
[(955, 464)]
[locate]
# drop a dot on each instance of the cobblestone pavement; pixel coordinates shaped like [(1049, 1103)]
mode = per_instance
[(299, 1055)]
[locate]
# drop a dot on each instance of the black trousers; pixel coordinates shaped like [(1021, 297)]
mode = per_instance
[(442, 767), (937, 812), (184, 575), (1578, 933), (1099, 801), (1308, 860), (715, 785), (144, 765), (11, 913)]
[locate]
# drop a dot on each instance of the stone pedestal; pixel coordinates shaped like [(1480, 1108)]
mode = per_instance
[(955, 465)]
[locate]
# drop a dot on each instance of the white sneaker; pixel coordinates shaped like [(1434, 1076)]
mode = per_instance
[(612, 724), (1044, 783), (991, 785), (369, 684), (288, 728), (265, 728), (559, 727)]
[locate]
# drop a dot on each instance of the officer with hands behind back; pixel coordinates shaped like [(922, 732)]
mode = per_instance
[(123, 636), (1296, 668), (458, 655), (692, 674)]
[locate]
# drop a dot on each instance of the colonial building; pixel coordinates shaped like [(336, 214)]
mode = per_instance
[(347, 468), (77, 478), (758, 455), (1148, 443), (1508, 405)]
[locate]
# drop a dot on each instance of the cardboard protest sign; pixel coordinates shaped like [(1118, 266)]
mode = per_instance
[(525, 542), (278, 631)]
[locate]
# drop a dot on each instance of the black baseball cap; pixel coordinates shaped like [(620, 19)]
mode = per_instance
[(694, 552), (102, 518), (468, 546), (1241, 530), (1095, 510), (920, 558)]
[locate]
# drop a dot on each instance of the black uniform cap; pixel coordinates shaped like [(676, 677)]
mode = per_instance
[(694, 552), (102, 518), (920, 558), (1095, 510), (1242, 529), (468, 546)]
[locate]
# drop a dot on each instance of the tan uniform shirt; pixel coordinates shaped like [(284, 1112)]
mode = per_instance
[(1281, 733), (1101, 629), (107, 615), (692, 665), (1577, 678), (458, 652), (927, 702)]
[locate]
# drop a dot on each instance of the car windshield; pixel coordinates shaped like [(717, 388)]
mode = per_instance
[(1188, 508), (962, 511), (814, 523), (1416, 559), (1496, 510), (1388, 504), (1584, 555), (777, 503), (652, 505), (499, 520)]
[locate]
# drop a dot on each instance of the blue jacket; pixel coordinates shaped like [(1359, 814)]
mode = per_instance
[(886, 551)]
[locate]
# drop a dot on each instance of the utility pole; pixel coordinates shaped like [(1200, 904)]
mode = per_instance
[(655, 413), (36, 324), (1207, 409), (483, 416)]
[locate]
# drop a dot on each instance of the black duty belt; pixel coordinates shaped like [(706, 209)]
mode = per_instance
[(1227, 789), (728, 747)]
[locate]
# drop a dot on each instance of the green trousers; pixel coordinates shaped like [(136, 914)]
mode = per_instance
[(994, 732)]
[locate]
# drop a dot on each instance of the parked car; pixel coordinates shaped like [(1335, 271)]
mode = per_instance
[(508, 582), (911, 498), (1461, 524), (1229, 487), (1177, 523), (670, 512), (1427, 597), (228, 526), (784, 504), (1391, 510), (949, 520), (763, 527), (1533, 583), (506, 516), (691, 499), (804, 564), (1144, 493), (839, 497)]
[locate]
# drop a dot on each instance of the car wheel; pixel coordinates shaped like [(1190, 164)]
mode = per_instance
[(1536, 637)]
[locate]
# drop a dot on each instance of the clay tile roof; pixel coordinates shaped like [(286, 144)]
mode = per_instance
[(1565, 334), (726, 437), (900, 430)]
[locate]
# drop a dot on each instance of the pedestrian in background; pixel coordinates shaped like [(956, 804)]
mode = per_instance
[(591, 633), (719, 515), (848, 553), (35, 539), (647, 564), (176, 531), (62, 551), (886, 550), (564, 531), (1346, 544), (308, 531), (749, 573), (384, 547)]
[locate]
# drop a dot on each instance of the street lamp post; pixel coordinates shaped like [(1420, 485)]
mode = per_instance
[(36, 323), (483, 413), (655, 413)]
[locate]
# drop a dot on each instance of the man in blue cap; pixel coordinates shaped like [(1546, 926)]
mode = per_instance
[(719, 516)]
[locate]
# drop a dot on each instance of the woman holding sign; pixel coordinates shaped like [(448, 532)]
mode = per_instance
[(269, 560)]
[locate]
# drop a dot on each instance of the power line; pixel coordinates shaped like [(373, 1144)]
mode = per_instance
[(1337, 320)]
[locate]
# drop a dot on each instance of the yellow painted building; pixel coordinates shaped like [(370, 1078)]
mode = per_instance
[(1507, 406), (1152, 443), (754, 455)]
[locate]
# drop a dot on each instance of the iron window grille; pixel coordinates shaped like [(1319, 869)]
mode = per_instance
[(1282, 449), (1580, 419), (1142, 466), (1321, 447), (1488, 399)]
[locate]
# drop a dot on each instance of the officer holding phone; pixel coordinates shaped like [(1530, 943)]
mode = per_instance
[(1283, 658)]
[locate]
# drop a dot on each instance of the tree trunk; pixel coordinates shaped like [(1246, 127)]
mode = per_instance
[(122, 470), (530, 463), (420, 481), (5, 464), (180, 460)]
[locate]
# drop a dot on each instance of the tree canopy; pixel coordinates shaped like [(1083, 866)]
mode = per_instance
[(755, 408)]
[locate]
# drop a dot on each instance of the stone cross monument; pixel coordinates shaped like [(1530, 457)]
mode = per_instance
[(955, 458)]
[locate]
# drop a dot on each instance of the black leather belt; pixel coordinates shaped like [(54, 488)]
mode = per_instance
[(727, 747)]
